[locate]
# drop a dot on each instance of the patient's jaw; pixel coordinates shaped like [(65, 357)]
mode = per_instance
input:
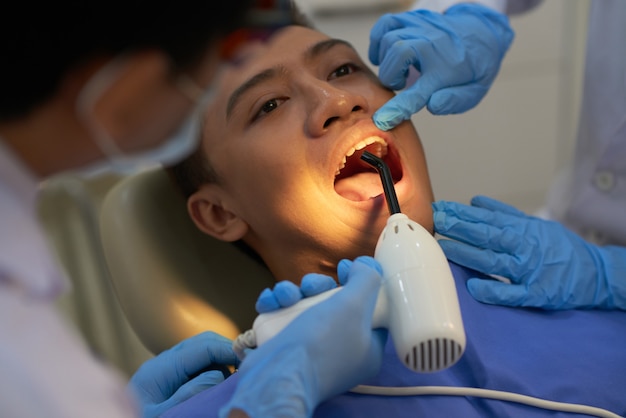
[(284, 136)]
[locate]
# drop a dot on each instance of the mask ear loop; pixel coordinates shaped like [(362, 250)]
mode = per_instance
[(182, 141), (190, 89), (85, 104)]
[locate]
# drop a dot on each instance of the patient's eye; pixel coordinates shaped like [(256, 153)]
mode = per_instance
[(268, 107), (343, 70)]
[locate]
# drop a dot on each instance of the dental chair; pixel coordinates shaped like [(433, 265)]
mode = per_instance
[(172, 280), (68, 208)]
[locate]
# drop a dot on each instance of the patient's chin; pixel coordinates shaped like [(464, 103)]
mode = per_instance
[(359, 187)]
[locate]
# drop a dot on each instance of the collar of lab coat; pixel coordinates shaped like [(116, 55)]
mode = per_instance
[(25, 258)]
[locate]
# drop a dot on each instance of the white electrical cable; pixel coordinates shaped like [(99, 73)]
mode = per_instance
[(242, 342), (248, 340), (484, 393)]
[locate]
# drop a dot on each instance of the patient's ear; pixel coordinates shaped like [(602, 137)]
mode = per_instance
[(206, 207)]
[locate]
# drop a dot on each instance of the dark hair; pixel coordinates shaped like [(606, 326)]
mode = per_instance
[(41, 41), (195, 170)]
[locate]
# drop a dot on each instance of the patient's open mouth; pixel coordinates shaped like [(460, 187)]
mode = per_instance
[(358, 181)]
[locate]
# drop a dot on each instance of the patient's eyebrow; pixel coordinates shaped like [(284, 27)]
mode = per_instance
[(311, 53), (248, 85)]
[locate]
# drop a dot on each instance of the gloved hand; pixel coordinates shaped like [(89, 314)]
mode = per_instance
[(457, 54), (325, 351), (177, 374), (287, 293), (549, 266)]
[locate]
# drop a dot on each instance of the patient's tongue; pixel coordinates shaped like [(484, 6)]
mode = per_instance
[(359, 187)]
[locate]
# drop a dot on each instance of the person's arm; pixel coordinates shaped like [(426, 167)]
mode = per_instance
[(325, 351), (549, 266), (177, 374), (456, 54)]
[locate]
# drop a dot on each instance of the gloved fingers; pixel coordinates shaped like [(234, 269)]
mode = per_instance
[(494, 205), (456, 99), (370, 262), (315, 283), (354, 305), (343, 269), (344, 266), (267, 302), (206, 348), (284, 294), (400, 56), (287, 293), (327, 349), (449, 215), (381, 28), (478, 233), (403, 105), (160, 377), (358, 301), (484, 260), (363, 281), (199, 383), (495, 292), (400, 53)]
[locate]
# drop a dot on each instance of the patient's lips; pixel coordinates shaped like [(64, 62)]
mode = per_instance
[(356, 180)]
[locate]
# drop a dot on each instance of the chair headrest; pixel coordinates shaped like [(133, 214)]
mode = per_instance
[(172, 280)]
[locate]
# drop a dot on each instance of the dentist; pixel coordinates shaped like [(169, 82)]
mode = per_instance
[(85, 86)]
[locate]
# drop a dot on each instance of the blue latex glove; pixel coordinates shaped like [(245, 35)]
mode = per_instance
[(457, 54), (325, 351), (549, 266), (177, 374), (287, 293)]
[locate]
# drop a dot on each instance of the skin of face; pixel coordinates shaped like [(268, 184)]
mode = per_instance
[(276, 135)]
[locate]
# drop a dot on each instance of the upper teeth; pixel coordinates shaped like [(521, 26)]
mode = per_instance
[(379, 151)]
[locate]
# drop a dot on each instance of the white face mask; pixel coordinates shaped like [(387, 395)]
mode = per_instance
[(171, 151)]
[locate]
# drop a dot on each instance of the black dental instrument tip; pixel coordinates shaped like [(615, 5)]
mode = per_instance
[(387, 180)]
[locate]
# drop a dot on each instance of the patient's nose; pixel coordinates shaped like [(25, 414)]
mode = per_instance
[(330, 105)]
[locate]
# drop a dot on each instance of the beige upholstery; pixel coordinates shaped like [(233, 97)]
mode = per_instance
[(172, 280), (68, 208)]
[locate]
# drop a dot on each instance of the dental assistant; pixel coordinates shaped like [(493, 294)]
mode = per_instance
[(586, 246), (82, 85)]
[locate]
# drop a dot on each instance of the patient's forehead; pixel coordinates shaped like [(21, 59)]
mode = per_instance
[(286, 46)]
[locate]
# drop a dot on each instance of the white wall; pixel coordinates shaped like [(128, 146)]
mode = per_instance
[(511, 146)]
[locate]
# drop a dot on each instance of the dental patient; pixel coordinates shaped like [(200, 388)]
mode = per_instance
[(279, 170)]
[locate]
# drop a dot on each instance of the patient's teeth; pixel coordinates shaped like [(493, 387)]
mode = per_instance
[(380, 150)]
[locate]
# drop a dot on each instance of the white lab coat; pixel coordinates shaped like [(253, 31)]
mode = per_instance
[(47, 371), (590, 196)]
